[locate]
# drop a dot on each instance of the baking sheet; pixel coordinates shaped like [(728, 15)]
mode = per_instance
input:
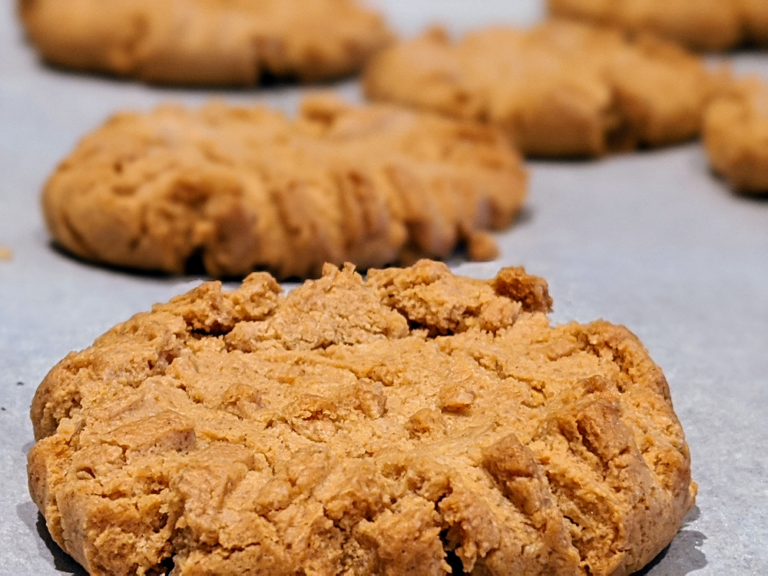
[(650, 240)]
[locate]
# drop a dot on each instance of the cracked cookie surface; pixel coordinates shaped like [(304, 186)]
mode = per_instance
[(216, 42), (247, 188), (558, 89), (697, 24), (410, 422), (736, 135)]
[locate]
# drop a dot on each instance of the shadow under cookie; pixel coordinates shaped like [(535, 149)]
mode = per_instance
[(683, 555)]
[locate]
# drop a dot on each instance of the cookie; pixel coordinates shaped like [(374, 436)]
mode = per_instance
[(736, 135), (697, 24), (205, 42), (409, 423), (247, 188), (559, 89)]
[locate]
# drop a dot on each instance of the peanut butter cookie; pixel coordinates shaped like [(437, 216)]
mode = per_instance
[(559, 89), (227, 42), (736, 135), (697, 24), (411, 423), (248, 188)]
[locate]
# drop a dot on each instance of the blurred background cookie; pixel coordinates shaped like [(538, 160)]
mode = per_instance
[(558, 89), (698, 24), (219, 42), (247, 188), (736, 135)]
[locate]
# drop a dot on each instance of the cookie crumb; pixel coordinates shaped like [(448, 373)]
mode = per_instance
[(481, 247), (214, 42), (6, 254)]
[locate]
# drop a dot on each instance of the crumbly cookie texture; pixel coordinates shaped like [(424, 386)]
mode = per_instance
[(559, 89), (736, 135), (247, 188), (402, 424), (225, 42), (697, 24)]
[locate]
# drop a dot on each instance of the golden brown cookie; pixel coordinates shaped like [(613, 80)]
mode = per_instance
[(698, 24), (231, 42), (248, 188), (736, 135), (402, 424), (559, 89)]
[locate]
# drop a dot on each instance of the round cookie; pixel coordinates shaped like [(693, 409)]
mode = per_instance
[(247, 188), (736, 135), (559, 89), (409, 423), (697, 24), (218, 42)]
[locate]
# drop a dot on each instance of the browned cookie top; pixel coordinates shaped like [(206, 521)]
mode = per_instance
[(559, 89), (380, 426), (736, 135), (698, 24), (205, 41), (248, 188)]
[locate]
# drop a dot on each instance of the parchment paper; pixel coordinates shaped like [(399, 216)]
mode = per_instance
[(650, 240)]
